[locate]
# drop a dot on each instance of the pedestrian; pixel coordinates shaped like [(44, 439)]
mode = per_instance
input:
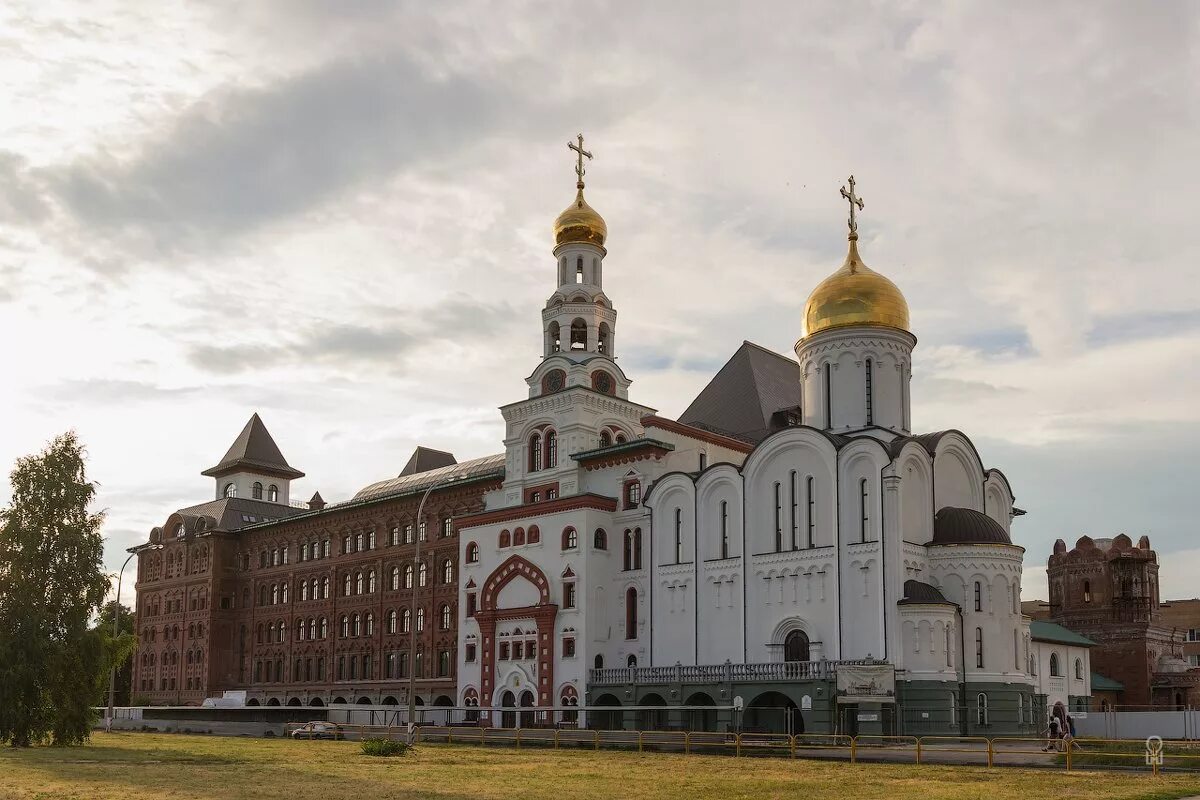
[(1052, 733)]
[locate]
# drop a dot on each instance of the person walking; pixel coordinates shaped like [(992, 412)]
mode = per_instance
[(1052, 734)]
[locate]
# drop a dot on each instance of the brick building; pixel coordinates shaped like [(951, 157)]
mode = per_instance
[(305, 604), (1108, 591), (1183, 618)]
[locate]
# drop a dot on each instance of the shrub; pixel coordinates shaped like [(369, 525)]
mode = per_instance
[(384, 747)]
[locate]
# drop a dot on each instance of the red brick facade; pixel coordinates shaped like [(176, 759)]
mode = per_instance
[(226, 608)]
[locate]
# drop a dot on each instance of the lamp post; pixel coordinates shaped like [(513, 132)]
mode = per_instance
[(412, 633), (112, 673)]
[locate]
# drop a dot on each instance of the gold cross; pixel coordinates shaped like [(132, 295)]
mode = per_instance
[(855, 200), (578, 148)]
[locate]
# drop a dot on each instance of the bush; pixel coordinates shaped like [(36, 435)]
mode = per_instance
[(384, 747)]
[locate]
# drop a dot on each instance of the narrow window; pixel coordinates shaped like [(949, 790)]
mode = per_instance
[(978, 596), (703, 461), (579, 269), (273, 493), (812, 512), (551, 449), (631, 598), (569, 595), (256, 491), (778, 520), (628, 550), (870, 401), (535, 452), (794, 507), (981, 709), (979, 648), (828, 397), (1087, 592), (864, 505), (678, 536), (724, 529), (637, 548)]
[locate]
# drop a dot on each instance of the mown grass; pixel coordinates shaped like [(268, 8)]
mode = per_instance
[(164, 766)]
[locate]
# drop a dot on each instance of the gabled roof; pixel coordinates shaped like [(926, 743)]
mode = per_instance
[(488, 466), (745, 397), (1042, 631), (424, 459), (232, 513), (254, 450)]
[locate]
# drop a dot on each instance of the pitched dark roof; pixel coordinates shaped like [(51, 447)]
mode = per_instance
[(1042, 631), (1102, 683), (254, 450), (916, 592), (744, 399), (424, 459), (486, 467), (231, 513), (953, 525)]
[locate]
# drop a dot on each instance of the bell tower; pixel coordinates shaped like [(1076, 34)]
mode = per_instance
[(579, 317)]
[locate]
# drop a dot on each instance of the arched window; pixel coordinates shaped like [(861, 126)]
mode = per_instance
[(391, 621), (598, 662), (578, 335), (535, 452), (505, 538), (979, 648), (303, 590), (355, 625), (345, 626), (981, 709), (551, 449), (600, 539), (978, 596), (274, 594), (347, 585), (1054, 667), (778, 519), (870, 396), (1078, 669), (324, 627), (445, 617), (358, 583), (408, 576), (724, 529), (256, 491), (370, 624), (405, 621), (864, 505), (420, 620), (325, 588), (628, 550), (283, 593), (273, 493), (631, 662), (312, 628), (1087, 591), (637, 548), (422, 574), (447, 572), (605, 439), (570, 539), (519, 533), (230, 490), (679, 535), (472, 553), (795, 647), (371, 582), (604, 338), (299, 630), (394, 579), (631, 613), (827, 370), (811, 518)]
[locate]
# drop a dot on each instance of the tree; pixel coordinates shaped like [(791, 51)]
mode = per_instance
[(51, 586), (116, 651)]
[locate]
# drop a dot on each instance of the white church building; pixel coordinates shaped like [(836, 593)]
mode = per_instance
[(788, 546)]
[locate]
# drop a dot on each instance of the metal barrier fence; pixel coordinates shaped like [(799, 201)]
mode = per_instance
[(1029, 752)]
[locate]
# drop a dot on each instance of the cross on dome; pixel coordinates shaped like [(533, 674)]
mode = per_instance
[(854, 200), (579, 170)]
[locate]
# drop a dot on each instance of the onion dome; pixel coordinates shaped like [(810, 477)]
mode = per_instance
[(953, 525), (580, 223), (854, 295)]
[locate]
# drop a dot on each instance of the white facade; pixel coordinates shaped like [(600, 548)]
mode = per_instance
[(1061, 671), (622, 539)]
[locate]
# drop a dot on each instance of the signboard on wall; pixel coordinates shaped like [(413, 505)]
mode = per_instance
[(866, 683)]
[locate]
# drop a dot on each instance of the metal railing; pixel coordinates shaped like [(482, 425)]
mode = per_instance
[(773, 671), (977, 751)]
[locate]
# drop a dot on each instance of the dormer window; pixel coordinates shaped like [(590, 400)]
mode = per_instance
[(273, 493), (256, 491), (180, 531), (230, 490)]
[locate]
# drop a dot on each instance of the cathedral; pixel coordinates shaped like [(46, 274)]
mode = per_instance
[(788, 552)]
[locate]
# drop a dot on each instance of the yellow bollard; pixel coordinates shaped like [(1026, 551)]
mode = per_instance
[(738, 746), (918, 751), (687, 742), (556, 738), (991, 754), (597, 739), (853, 749), (518, 738)]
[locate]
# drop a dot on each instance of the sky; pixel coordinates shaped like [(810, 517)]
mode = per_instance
[(338, 215)]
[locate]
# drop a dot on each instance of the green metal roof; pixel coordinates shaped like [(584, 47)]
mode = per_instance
[(1042, 631), (1103, 684)]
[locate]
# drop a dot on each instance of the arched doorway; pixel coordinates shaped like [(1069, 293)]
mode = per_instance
[(294, 701), (772, 712), (606, 720), (316, 702), (390, 701), (508, 719), (527, 716), (274, 701), (795, 647), (652, 719), (701, 719)]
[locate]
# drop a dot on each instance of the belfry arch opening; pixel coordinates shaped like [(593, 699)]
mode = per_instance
[(578, 335)]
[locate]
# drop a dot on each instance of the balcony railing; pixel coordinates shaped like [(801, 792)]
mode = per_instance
[(775, 672)]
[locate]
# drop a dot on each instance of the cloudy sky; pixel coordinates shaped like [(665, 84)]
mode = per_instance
[(338, 215)]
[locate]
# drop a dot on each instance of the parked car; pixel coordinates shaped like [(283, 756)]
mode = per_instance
[(319, 730)]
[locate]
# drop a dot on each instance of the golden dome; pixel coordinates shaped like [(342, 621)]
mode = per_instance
[(854, 295), (580, 223)]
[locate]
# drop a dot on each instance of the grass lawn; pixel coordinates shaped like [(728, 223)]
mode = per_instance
[(167, 766)]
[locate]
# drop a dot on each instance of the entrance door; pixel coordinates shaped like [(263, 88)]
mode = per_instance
[(526, 716), (508, 719), (849, 726)]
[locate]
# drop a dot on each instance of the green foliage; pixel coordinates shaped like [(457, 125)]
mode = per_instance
[(385, 747), (51, 585), (118, 651)]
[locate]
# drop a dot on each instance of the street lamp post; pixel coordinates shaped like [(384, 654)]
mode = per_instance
[(112, 673), (412, 633)]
